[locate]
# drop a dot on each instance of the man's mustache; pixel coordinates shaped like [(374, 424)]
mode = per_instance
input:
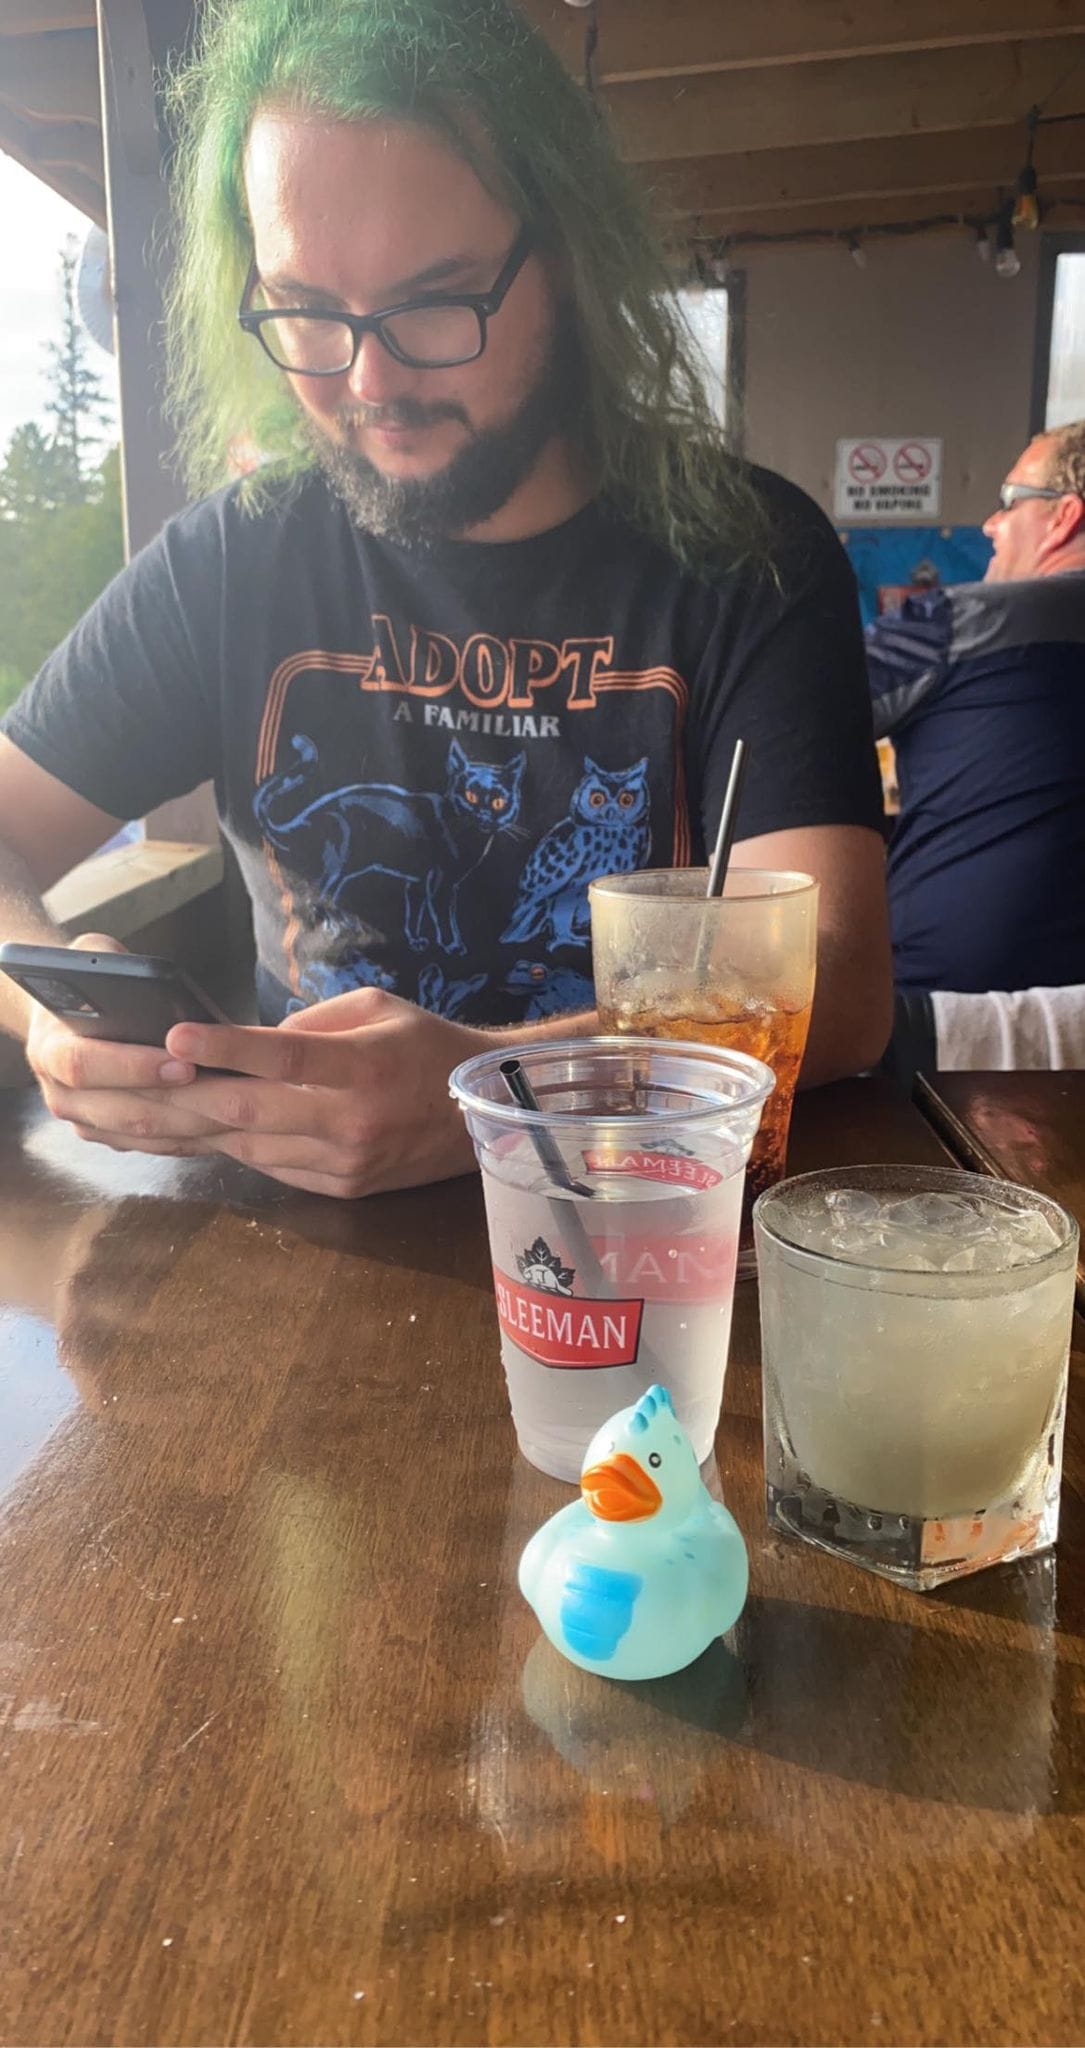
[(402, 412)]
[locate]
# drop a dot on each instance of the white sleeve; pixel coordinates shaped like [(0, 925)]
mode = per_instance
[(1032, 1027)]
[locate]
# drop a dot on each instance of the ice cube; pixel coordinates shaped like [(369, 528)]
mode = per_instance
[(1019, 1237), (926, 1233), (853, 1206), (948, 1215), (907, 1251), (963, 1261)]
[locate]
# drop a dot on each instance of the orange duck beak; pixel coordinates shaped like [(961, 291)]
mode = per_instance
[(620, 1490)]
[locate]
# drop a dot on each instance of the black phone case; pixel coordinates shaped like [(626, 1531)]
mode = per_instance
[(129, 999)]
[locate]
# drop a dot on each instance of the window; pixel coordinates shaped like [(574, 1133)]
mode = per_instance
[(1059, 385), (1066, 374), (707, 312)]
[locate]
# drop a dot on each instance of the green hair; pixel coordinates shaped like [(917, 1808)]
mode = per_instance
[(465, 69)]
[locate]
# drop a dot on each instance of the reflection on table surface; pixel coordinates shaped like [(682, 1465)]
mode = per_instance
[(286, 1758)]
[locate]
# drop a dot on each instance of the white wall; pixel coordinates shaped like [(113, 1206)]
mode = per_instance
[(926, 340)]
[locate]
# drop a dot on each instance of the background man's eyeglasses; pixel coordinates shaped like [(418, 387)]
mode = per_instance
[(1010, 495), (433, 332)]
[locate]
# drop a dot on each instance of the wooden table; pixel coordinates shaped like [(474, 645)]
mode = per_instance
[(1027, 1127), (286, 1759)]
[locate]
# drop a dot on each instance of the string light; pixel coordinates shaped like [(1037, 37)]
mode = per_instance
[(591, 41), (1026, 204), (856, 251), (1007, 260), (983, 245)]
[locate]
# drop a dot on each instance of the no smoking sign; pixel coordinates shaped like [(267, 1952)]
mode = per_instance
[(888, 480)]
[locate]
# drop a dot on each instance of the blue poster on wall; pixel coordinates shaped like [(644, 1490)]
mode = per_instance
[(891, 560)]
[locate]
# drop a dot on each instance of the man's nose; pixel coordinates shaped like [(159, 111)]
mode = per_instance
[(992, 525), (376, 378)]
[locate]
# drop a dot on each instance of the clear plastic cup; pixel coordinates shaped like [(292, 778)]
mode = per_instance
[(613, 1214)]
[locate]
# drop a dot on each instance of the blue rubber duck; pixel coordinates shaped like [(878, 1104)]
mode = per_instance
[(641, 1573)]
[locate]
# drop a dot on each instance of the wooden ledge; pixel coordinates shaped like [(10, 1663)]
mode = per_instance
[(122, 891)]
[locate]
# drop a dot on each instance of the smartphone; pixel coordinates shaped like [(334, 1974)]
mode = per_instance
[(131, 998)]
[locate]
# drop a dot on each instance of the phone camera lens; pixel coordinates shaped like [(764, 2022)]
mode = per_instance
[(57, 995)]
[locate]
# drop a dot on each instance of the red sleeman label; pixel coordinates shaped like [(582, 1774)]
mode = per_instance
[(671, 1168), (567, 1331)]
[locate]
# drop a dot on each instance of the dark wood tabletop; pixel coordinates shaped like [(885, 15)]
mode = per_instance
[(1027, 1127), (286, 1759)]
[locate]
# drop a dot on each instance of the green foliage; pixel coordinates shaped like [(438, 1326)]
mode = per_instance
[(77, 400), (60, 516), (35, 477), (11, 682), (55, 558)]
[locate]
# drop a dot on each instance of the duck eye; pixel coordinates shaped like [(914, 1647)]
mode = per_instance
[(654, 1458)]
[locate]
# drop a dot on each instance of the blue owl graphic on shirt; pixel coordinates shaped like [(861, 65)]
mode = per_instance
[(605, 831)]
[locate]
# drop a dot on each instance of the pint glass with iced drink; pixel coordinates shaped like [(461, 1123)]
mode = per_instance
[(915, 1339), (735, 970), (613, 1213)]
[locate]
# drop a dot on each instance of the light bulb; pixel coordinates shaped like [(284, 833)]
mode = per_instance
[(1026, 206), (983, 246), (1007, 260), (857, 252)]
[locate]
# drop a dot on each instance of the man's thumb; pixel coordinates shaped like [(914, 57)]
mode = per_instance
[(96, 942)]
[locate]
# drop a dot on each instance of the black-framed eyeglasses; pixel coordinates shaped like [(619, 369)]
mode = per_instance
[(434, 331), (1010, 495)]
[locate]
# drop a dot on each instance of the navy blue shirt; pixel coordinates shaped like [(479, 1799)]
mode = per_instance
[(982, 690)]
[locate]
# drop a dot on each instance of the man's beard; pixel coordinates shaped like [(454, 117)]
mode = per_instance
[(470, 489)]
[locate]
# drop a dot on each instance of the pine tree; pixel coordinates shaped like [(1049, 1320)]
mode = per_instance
[(77, 403), (34, 476)]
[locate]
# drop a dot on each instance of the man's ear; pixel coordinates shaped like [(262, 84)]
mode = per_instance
[(1068, 522)]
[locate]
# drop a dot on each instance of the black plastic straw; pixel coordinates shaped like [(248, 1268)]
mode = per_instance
[(521, 1090), (717, 873)]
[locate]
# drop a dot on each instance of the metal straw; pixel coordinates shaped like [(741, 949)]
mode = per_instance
[(725, 837)]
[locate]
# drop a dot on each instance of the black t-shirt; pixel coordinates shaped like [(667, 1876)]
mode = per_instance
[(421, 757)]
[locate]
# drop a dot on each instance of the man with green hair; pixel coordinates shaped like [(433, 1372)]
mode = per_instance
[(482, 618)]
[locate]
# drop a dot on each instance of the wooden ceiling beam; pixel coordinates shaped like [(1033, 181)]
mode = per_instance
[(860, 170), (75, 185), (642, 39), (794, 105), (35, 17), (71, 143), (52, 76)]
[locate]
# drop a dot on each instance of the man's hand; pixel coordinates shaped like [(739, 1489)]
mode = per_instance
[(347, 1098)]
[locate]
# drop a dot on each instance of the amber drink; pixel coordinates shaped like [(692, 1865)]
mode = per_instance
[(734, 971)]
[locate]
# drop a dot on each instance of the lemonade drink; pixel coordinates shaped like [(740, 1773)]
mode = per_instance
[(915, 1338)]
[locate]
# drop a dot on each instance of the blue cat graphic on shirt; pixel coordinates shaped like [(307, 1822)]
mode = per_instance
[(605, 831), (444, 997), (549, 990), (323, 979), (431, 841)]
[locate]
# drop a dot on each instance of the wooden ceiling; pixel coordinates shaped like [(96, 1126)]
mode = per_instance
[(749, 117)]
